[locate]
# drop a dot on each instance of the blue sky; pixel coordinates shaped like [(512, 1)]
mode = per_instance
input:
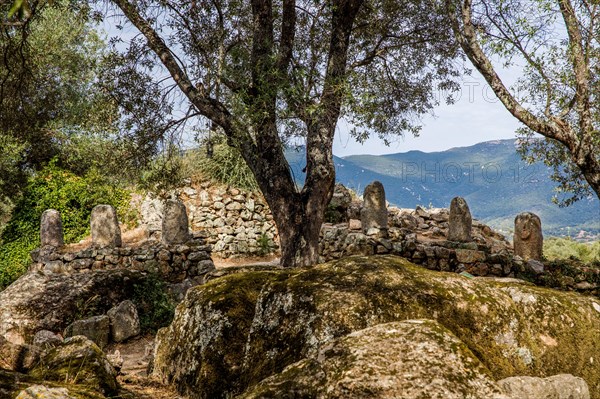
[(477, 116)]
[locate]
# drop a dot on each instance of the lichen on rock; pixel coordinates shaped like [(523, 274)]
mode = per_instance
[(408, 359), (235, 331)]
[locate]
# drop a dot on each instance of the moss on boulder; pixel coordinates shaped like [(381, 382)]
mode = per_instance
[(408, 359), (78, 361), (235, 331)]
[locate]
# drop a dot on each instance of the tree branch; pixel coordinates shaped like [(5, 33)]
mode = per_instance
[(467, 38)]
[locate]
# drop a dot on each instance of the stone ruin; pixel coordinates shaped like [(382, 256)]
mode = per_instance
[(439, 239), (177, 258)]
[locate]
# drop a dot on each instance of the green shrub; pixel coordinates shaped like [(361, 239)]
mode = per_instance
[(226, 166), (54, 188), (556, 248), (155, 306)]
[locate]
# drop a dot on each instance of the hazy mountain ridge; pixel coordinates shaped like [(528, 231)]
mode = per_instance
[(491, 176)]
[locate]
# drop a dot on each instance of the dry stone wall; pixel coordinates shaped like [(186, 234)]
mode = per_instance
[(420, 235), (234, 222), (174, 264)]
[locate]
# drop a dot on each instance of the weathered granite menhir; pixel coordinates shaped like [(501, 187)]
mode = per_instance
[(528, 239), (178, 257), (51, 229), (105, 227), (374, 215), (460, 221)]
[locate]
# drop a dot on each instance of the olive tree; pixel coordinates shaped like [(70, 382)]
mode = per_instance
[(48, 67), (265, 71), (557, 44)]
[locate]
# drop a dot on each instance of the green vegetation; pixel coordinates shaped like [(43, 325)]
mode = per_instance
[(155, 307), (54, 188), (556, 248), (226, 166), (50, 97)]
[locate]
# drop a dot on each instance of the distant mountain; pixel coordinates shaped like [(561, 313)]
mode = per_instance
[(491, 176)]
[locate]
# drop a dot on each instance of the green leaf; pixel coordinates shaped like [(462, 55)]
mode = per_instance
[(16, 7)]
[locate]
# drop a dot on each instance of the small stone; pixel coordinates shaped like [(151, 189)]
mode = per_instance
[(46, 339), (470, 256), (584, 286), (116, 360), (535, 266), (95, 328)]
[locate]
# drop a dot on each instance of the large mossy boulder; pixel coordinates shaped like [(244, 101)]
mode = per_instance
[(13, 384), (235, 331), (78, 361), (407, 359)]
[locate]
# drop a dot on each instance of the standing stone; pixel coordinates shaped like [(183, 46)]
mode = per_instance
[(51, 230), (528, 239), (459, 222), (105, 227), (373, 215), (175, 223)]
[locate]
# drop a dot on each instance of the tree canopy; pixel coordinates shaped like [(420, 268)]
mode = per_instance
[(262, 72), (557, 45), (48, 71)]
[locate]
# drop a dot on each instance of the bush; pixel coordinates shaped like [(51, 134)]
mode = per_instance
[(155, 307), (226, 166), (54, 188), (556, 248)]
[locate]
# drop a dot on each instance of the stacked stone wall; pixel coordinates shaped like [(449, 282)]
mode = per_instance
[(233, 221)]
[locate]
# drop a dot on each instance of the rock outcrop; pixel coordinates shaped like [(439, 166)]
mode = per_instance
[(78, 361), (408, 359), (236, 331), (51, 302), (563, 386)]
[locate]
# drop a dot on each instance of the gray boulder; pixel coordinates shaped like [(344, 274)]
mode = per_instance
[(562, 386), (237, 330), (95, 328), (124, 321), (37, 302), (78, 361)]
